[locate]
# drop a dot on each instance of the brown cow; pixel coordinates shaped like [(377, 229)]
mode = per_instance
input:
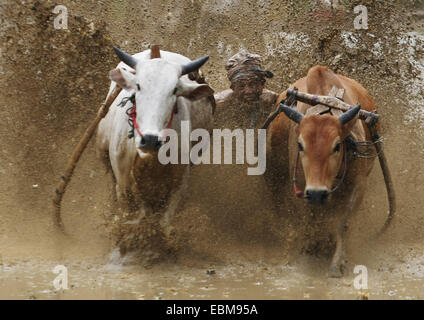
[(316, 144)]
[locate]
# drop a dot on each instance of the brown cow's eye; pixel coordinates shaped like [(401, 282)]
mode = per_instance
[(299, 145), (175, 91), (337, 148)]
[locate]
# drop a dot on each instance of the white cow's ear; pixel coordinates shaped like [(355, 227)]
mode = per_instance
[(193, 91), (123, 78)]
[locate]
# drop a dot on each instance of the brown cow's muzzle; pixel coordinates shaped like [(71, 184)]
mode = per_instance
[(314, 196)]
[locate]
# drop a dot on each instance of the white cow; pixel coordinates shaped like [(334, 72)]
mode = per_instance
[(164, 96)]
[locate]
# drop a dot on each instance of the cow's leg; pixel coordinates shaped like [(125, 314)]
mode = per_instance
[(355, 199), (337, 262), (121, 160), (121, 195), (121, 188), (174, 201), (102, 147)]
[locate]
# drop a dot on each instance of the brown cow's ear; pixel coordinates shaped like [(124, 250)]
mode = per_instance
[(347, 128)]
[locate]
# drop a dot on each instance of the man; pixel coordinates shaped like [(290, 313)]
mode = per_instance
[(233, 202), (247, 103)]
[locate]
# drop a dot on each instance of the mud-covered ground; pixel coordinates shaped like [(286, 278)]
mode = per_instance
[(230, 242)]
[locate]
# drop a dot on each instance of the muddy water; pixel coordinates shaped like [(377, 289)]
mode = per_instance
[(102, 279), (230, 243)]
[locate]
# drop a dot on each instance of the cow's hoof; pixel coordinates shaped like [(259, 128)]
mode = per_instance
[(335, 272)]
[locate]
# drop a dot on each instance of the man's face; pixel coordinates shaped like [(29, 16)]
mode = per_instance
[(247, 89)]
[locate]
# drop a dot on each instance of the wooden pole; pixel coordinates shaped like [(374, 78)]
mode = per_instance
[(73, 160), (375, 136)]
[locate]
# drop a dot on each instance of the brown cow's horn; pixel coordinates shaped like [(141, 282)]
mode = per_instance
[(125, 57), (292, 113), (349, 115), (193, 65)]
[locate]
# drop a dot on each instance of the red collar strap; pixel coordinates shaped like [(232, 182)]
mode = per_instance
[(132, 113), (299, 193)]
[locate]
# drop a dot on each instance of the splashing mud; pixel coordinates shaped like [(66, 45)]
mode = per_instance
[(230, 241)]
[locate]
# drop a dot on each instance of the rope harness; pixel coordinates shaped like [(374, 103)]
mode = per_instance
[(368, 152), (132, 115)]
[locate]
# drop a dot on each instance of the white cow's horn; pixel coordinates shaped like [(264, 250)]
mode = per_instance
[(125, 57), (349, 115), (193, 65)]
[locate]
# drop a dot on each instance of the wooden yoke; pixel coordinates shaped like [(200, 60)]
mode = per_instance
[(330, 101), (321, 108)]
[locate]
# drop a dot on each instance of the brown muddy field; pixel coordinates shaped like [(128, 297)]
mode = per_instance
[(229, 242)]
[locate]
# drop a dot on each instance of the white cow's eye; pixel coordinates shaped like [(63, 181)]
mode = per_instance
[(138, 87)]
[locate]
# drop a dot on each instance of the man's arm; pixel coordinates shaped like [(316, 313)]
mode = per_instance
[(269, 97), (223, 96)]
